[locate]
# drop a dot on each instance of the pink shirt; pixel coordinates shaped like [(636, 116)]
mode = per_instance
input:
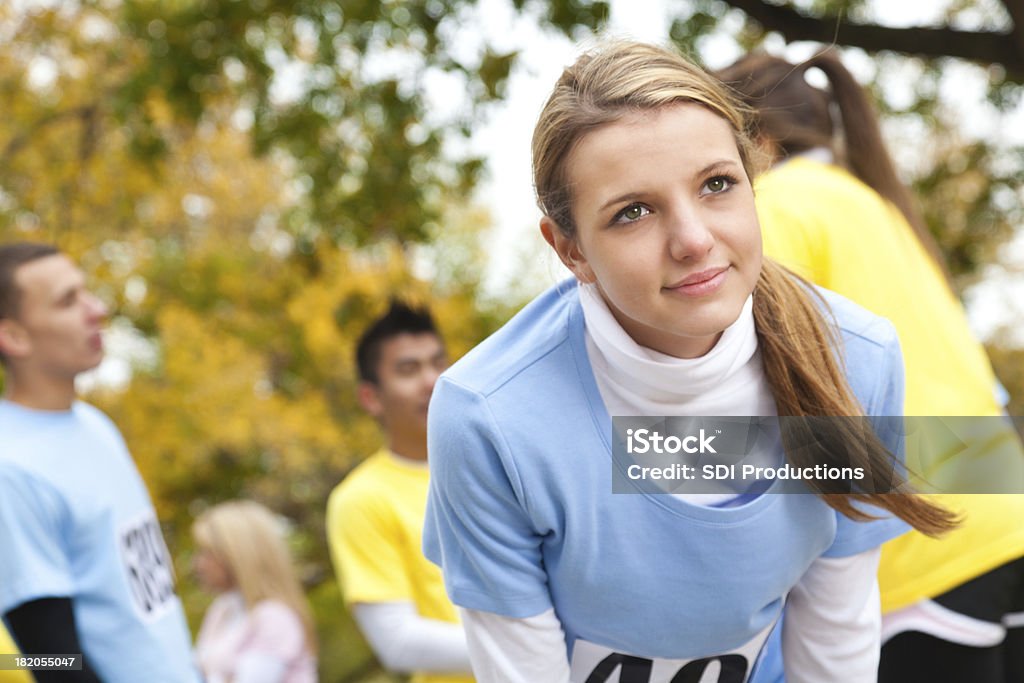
[(265, 644)]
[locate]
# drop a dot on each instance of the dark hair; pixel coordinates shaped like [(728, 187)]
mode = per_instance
[(796, 116), (400, 319), (12, 257)]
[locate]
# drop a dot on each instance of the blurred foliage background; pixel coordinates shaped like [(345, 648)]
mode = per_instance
[(247, 182)]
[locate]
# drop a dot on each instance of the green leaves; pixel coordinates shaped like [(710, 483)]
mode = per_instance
[(339, 87)]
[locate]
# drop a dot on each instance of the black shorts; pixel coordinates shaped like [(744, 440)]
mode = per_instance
[(990, 597)]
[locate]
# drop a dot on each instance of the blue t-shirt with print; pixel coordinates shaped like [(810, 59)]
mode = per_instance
[(647, 587), (76, 521)]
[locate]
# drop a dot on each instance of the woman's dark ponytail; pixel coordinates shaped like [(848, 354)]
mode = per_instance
[(864, 149)]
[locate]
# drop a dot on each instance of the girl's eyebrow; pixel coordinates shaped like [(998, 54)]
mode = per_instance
[(713, 166), (622, 198)]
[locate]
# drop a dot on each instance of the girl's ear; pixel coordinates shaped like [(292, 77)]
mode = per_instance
[(568, 250)]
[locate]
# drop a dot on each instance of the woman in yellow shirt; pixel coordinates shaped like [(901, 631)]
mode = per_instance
[(950, 605)]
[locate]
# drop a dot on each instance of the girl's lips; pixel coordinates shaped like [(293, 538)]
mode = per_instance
[(701, 284)]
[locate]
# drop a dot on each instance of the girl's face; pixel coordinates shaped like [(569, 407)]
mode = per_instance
[(665, 226), (211, 572)]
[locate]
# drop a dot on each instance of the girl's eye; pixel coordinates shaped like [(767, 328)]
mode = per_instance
[(631, 213), (717, 185)]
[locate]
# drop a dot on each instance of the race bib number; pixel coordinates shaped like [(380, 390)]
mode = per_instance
[(147, 566), (592, 663)]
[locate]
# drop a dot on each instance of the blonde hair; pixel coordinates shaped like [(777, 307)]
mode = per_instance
[(797, 345), (250, 542)]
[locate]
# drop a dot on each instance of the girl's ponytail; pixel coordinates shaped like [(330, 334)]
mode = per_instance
[(807, 381)]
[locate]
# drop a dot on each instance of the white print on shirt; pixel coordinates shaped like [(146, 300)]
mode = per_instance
[(592, 663), (147, 566)]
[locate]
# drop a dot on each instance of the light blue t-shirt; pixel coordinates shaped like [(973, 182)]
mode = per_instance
[(76, 521), (522, 518)]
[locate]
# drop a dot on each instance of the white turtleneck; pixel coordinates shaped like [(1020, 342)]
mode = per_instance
[(831, 630), (635, 380)]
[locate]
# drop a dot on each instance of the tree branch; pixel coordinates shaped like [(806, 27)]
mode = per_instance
[(981, 47), (1016, 11), (86, 113)]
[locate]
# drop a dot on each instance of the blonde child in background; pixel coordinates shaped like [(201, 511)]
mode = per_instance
[(259, 628)]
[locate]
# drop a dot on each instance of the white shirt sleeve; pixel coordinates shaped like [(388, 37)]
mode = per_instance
[(510, 650), (406, 642), (832, 628)]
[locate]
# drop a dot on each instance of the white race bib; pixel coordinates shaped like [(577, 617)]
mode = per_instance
[(592, 663), (147, 566)]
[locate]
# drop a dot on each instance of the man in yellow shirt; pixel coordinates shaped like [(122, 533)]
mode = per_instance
[(375, 516)]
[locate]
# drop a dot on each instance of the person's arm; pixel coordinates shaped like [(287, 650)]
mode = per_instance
[(406, 642), (36, 580), (366, 541), (477, 527), (832, 627), (509, 650), (47, 627)]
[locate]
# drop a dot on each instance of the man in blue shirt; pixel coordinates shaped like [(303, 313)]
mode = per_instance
[(83, 564)]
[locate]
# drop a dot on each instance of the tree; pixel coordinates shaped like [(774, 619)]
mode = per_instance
[(338, 86), (824, 22)]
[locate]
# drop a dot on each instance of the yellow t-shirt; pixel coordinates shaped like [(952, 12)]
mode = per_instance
[(827, 226), (8, 647), (375, 533)]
